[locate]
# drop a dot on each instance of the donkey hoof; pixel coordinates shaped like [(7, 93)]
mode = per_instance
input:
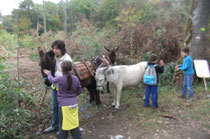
[(98, 103), (113, 104), (117, 107)]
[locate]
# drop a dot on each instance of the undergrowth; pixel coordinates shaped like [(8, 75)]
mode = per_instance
[(14, 121)]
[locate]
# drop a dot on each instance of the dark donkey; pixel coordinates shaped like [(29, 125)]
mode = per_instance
[(47, 61)]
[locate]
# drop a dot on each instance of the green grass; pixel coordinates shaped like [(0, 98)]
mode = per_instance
[(167, 99)]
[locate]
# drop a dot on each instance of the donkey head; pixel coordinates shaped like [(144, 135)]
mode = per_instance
[(47, 61), (112, 54), (100, 77)]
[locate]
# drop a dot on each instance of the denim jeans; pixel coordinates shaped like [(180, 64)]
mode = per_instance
[(188, 85), (55, 121), (63, 134), (151, 90)]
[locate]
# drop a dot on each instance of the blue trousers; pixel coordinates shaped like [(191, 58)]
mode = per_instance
[(151, 90), (188, 85), (55, 121)]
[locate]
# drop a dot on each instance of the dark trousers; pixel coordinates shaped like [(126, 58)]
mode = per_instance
[(55, 120), (63, 134), (151, 90)]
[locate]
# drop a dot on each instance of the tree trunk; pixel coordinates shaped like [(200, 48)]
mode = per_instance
[(196, 30)]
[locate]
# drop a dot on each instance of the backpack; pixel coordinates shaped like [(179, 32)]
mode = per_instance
[(150, 75)]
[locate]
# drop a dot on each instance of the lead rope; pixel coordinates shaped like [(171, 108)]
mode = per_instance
[(20, 100), (85, 106)]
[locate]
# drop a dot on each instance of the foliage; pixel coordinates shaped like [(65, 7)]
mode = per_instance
[(27, 42), (8, 41), (13, 120), (26, 4), (8, 24), (137, 26), (129, 16), (23, 24), (167, 77), (88, 8), (145, 27), (87, 40), (108, 12), (54, 22), (145, 57)]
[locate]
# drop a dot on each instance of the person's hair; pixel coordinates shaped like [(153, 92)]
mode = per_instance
[(66, 67), (186, 50), (153, 57), (60, 45)]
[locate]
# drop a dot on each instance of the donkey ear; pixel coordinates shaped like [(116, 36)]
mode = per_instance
[(39, 49), (105, 69), (106, 49), (100, 65), (51, 54), (117, 49), (41, 53)]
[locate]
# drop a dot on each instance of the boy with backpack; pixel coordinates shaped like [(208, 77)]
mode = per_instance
[(151, 79)]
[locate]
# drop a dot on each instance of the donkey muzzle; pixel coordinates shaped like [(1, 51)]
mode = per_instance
[(100, 88)]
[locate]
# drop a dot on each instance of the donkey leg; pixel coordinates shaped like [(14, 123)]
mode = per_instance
[(119, 89), (107, 86), (98, 101), (91, 92), (95, 92), (115, 96)]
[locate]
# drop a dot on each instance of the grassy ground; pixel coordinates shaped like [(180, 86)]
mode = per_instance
[(174, 118)]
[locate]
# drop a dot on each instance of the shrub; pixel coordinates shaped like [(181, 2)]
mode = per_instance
[(27, 42), (8, 40), (13, 121), (87, 40), (167, 77)]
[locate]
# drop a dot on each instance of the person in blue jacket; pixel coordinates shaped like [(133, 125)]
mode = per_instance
[(188, 69)]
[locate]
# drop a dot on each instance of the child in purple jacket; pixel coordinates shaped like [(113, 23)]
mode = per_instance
[(69, 88)]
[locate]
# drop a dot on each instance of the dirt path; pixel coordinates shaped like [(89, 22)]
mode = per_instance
[(106, 122), (110, 122)]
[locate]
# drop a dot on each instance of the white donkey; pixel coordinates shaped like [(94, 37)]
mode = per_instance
[(120, 76)]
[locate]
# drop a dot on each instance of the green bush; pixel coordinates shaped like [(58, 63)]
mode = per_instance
[(145, 56), (13, 121), (27, 42), (88, 40), (167, 77), (8, 40)]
